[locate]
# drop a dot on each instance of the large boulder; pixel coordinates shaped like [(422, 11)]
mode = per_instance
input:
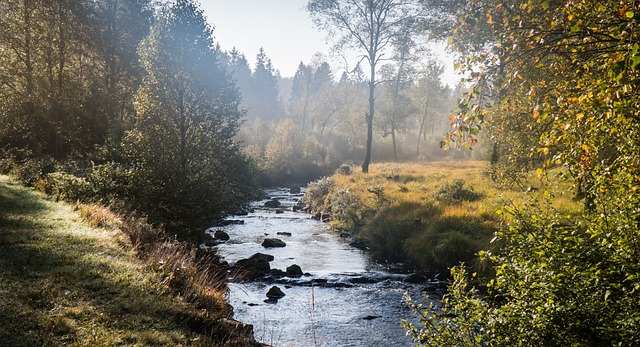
[(255, 266), (294, 271), (272, 242)]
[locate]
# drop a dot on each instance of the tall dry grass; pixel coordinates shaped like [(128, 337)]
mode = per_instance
[(196, 277)]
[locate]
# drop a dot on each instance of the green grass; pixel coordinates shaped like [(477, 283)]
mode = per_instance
[(63, 283)]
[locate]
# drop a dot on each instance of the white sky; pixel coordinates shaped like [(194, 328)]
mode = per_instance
[(282, 27)]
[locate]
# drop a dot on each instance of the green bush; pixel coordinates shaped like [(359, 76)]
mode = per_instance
[(31, 171), (68, 187), (391, 227), (110, 182), (446, 241)]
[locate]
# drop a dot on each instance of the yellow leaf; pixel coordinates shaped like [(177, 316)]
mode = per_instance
[(580, 115)]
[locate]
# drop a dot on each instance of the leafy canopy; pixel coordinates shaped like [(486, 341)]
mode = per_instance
[(571, 71)]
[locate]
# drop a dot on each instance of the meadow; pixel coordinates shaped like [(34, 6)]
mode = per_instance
[(432, 215)]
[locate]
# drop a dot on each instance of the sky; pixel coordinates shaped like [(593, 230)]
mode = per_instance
[(282, 27)]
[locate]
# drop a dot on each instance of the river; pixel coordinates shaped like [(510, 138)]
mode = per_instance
[(344, 298)]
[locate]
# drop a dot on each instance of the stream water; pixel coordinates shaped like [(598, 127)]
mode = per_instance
[(344, 298)]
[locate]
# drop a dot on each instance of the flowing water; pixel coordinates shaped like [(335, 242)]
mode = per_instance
[(344, 299)]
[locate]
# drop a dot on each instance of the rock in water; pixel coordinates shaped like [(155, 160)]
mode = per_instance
[(272, 203), (254, 267), (294, 271), (415, 278), (275, 293), (262, 256), (270, 243), (294, 190), (359, 244), (221, 235)]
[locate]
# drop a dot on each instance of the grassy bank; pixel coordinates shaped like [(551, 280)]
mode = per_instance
[(63, 282), (433, 215)]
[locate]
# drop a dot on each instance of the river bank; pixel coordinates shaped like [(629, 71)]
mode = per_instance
[(63, 282)]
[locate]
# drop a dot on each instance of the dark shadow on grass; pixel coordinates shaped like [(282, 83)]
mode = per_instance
[(50, 287)]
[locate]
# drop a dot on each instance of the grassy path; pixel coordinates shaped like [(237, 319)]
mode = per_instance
[(63, 283)]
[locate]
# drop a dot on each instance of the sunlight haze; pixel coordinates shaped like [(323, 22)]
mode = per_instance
[(282, 27), (285, 31)]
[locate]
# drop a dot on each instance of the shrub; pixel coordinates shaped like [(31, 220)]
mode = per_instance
[(346, 210), (446, 241), (68, 187), (110, 182), (344, 169), (30, 171), (316, 195), (456, 192)]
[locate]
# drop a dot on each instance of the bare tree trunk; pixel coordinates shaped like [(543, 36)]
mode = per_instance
[(372, 88), (393, 140), (422, 129)]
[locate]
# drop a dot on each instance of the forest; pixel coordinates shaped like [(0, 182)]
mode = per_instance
[(108, 100), (132, 104)]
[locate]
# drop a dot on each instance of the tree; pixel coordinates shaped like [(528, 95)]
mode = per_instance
[(570, 70), (431, 99), (43, 47), (120, 26), (371, 27), (187, 167), (398, 77), (267, 103), (301, 94)]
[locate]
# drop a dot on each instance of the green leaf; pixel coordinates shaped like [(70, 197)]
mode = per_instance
[(545, 5), (629, 14)]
